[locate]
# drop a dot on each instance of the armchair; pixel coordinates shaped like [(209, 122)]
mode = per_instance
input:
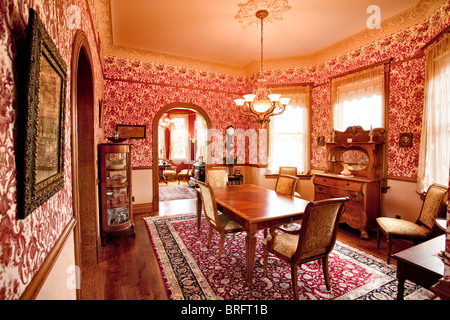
[(218, 221), (313, 241), (432, 207)]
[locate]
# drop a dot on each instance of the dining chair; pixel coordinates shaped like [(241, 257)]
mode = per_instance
[(286, 184), (313, 241), (292, 171), (218, 221), (217, 177), (433, 206), (186, 174)]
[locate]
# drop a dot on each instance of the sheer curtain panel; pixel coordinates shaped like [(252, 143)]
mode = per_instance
[(434, 157), (289, 132)]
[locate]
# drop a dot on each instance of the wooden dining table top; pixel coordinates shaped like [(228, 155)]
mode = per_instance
[(255, 204)]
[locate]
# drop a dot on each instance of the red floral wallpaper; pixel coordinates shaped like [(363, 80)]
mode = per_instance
[(24, 244), (136, 90)]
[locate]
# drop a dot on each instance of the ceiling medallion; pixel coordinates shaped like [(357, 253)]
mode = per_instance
[(246, 14)]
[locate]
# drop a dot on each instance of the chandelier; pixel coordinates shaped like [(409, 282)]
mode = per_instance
[(262, 104)]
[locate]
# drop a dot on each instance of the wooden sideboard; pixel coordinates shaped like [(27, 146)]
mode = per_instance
[(363, 207), (362, 151)]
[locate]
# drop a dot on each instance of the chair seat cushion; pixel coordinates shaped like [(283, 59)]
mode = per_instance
[(228, 223), (169, 172), (402, 228), (184, 172), (285, 243)]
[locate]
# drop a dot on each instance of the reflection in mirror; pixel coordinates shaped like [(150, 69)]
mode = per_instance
[(357, 159)]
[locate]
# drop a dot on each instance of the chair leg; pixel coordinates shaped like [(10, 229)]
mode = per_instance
[(378, 237), (265, 258), (294, 280), (389, 249), (325, 272), (209, 236), (222, 240)]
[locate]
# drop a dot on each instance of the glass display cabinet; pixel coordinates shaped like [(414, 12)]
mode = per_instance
[(115, 189)]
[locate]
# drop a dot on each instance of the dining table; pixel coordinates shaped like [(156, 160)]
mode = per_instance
[(255, 208)]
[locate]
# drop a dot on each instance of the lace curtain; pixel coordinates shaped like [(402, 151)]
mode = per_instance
[(202, 137), (358, 99), (179, 138), (288, 132), (434, 157)]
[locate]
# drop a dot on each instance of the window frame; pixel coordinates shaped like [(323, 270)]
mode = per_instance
[(307, 135)]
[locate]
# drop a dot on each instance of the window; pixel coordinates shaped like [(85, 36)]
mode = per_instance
[(434, 157), (179, 137), (358, 99), (288, 132)]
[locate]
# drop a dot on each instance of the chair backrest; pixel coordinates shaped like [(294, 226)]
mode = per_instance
[(319, 228), (286, 184), (209, 204), (217, 177), (292, 171), (433, 205)]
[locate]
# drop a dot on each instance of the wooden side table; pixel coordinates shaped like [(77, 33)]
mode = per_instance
[(420, 264)]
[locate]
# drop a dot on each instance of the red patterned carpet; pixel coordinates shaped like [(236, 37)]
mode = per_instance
[(193, 272)]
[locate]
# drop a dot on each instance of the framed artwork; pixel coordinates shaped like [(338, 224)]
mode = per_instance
[(42, 174), (406, 140), (321, 141), (131, 131)]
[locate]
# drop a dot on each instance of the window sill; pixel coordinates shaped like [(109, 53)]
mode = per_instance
[(300, 176)]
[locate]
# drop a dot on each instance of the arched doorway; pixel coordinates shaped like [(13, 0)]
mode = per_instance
[(84, 170), (161, 112)]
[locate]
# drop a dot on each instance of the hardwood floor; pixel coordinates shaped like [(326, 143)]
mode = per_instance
[(129, 270)]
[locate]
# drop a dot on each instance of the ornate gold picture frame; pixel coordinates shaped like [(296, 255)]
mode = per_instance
[(44, 127)]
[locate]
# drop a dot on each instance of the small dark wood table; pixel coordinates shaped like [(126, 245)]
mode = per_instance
[(420, 264), (255, 208)]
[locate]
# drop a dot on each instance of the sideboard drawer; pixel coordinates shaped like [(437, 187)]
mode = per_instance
[(338, 183)]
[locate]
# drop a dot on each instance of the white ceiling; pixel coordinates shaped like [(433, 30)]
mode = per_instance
[(207, 29)]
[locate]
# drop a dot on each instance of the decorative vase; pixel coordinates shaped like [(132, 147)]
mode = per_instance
[(346, 171)]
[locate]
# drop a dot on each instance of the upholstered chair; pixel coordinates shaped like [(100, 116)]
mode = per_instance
[(292, 171), (286, 184), (186, 174), (313, 241), (218, 221), (170, 173), (217, 177), (433, 206)]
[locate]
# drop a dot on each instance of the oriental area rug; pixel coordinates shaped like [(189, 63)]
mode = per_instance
[(191, 271), (175, 193)]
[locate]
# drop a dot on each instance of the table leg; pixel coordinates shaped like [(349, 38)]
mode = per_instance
[(401, 277), (250, 244)]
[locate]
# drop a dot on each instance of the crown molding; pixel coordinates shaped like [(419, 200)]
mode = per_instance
[(420, 12)]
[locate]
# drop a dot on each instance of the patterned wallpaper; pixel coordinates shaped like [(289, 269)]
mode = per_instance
[(24, 244)]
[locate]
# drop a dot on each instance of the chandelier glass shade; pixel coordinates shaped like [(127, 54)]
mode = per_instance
[(262, 104)]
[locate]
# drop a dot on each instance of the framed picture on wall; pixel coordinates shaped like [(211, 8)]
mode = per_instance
[(131, 131)]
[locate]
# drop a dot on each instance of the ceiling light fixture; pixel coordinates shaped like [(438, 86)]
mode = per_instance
[(266, 103)]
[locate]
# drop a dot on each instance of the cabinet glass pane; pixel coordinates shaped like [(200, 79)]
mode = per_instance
[(117, 191)]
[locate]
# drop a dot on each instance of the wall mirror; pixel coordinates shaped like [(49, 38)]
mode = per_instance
[(43, 132)]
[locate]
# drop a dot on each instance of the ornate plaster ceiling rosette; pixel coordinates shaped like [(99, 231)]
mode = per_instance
[(246, 15)]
